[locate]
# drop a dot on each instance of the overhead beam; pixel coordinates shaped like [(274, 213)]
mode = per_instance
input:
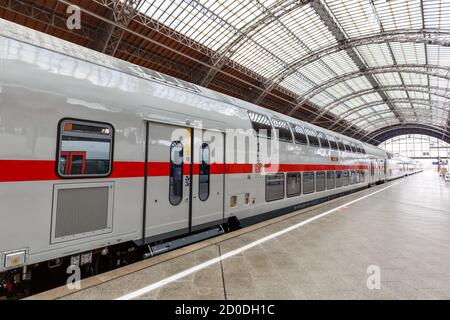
[(437, 91), (273, 13), (386, 133), (425, 36), (334, 28), (432, 103), (123, 12), (433, 70)]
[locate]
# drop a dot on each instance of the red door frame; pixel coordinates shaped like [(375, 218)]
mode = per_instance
[(69, 156)]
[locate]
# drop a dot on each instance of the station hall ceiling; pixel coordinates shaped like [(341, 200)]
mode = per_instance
[(357, 67)]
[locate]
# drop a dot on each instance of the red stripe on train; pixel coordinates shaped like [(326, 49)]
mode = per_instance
[(38, 170)]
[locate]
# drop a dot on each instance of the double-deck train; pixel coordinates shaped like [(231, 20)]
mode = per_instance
[(102, 161)]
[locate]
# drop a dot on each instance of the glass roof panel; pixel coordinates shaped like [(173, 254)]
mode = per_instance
[(307, 26), (356, 17), (439, 55), (436, 14), (388, 79), (409, 53), (395, 15), (397, 94), (276, 41), (376, 55)]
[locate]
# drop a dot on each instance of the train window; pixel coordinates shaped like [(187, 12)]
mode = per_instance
[(312, 137), (362, 177), (347, 148), (345, 178), (352, 148), (261, 124), (357, 176), (274, 186), (308, 182), (176, 173), (333, 143), (284, 133), (299, 134), (320, 181), (203, 178), (363, 150), (338, 179), (330, 180), (85, 149), (352, 177), (323, 140), (341, 146), (293, 184)]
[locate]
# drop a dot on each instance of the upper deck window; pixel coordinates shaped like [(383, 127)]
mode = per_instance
[(284, 133), (323, 140), (261, 124), (312, 137), (333, 143), (299, 134)]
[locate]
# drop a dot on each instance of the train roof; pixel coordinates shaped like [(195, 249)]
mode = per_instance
[(23, 34)]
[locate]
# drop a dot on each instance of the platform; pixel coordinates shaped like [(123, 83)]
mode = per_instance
[(402, 228)]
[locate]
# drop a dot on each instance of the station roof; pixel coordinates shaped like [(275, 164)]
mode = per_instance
[(352, 66)]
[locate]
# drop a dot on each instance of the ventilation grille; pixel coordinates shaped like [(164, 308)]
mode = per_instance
[(81, 210)]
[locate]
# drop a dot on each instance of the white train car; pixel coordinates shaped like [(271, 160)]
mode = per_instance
[(98, 154)]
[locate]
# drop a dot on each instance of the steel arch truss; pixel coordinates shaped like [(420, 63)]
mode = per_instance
[(426, 36), (426, 69), (390, 124), (432, 90), (431, 103), (385, 133)]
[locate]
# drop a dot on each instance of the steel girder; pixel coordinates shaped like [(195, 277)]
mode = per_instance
[(432, 103), (391, 118), (271, 14), (390, 124), (437, 91), (324, 14), (427, 36), (386, 133), (432, 70), (123, 13), (33, 12), (385, 120)]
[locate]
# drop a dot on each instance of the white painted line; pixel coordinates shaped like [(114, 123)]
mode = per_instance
[(180, 275)]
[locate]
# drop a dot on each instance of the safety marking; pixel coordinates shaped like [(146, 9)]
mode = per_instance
[(182, 274)]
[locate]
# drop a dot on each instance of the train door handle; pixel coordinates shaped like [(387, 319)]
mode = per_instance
[(186, 199)]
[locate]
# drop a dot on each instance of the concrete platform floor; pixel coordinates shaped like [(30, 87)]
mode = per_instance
[(403, 230)]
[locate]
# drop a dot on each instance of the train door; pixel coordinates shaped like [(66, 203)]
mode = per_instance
[(168, 180), (208, 180), (372, 172), (385, 169)]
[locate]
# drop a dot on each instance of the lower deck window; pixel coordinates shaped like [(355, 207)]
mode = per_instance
[(330, 180), (274, 186), (338, 179), (345, 178), (308, 182), (293, 184), (320, 181), (362, 177)]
